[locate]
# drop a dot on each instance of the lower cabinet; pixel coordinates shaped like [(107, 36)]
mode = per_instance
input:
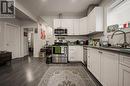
[(124, 70), (124, 75), (94, 62), (75, 53), (109, 68), (104, 66)]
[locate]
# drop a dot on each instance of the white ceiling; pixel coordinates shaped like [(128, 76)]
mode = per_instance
[(21, 16), (54, 7)]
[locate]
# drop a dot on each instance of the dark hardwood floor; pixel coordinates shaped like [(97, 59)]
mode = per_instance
[(23, 72), (26, 71)]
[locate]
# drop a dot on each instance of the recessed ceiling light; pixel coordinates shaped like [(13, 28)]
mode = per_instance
[(44, 0), (73, 1)]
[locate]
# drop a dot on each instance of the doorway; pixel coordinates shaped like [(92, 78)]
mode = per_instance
[(28, 41)]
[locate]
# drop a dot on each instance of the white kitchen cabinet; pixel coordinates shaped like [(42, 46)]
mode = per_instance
[(124, 75), (83, 26), (76, 26), (124, 70), (57, 23), (95, 20), (67, 23), (96, 66), (75, 53), (94, 60), (109, 68)]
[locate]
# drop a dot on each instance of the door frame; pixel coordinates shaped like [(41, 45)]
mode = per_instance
[(22, 41), (19, 40)]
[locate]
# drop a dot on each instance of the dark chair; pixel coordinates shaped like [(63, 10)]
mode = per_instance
[(5, 57)]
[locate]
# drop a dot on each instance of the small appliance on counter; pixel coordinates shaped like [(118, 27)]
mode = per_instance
[(81, 42), (59, 31), (104, 42)]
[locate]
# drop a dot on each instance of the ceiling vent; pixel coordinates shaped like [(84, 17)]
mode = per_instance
[(116, 3)]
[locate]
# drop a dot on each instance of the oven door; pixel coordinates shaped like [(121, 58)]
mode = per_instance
[(59, 50)]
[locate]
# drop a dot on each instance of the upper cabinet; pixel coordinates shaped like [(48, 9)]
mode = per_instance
[(89, 24), (57, 23), (95, 20), (83, 26), (68, 24), (76, 26)]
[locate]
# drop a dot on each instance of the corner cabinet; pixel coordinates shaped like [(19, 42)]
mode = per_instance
[(95, 20)]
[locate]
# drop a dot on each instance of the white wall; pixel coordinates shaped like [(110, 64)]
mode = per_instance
[(118, 15)]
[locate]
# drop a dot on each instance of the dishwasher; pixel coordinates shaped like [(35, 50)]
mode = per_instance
[(85, 55)]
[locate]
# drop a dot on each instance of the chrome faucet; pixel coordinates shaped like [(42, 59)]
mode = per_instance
[(125, 44)]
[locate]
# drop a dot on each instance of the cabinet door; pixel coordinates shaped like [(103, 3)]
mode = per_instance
[(68, 24), (109, 68), (124, 75), (75, 53), (95, 20), (79, 53), (71, 56), (76, 26), (70, 31), (92, 21), (96, 60), (83, 26), (56, 23)]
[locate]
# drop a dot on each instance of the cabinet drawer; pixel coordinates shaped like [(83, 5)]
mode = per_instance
[(125, 60)]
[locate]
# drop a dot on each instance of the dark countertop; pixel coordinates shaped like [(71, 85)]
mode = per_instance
[(120, 50)]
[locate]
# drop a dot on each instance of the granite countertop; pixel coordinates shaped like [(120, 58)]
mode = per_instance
[(120, 50)]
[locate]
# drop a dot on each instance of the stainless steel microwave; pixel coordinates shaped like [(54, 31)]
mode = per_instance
[(60, 31)]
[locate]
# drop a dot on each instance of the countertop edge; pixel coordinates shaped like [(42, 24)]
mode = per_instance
[(110, 49)]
